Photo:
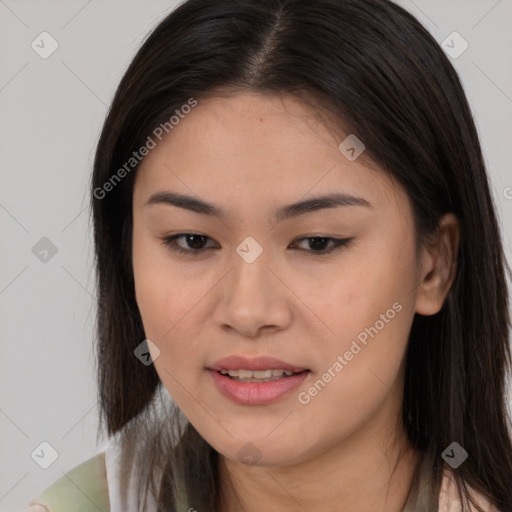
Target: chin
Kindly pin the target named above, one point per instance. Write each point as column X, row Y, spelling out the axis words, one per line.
column 262, row 452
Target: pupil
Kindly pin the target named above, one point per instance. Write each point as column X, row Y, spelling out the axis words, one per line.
column 317, row 243
column 190, row 239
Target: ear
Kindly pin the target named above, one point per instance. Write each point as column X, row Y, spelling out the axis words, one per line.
column 438, row 266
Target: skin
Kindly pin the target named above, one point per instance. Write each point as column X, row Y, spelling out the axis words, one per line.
column 250, row 154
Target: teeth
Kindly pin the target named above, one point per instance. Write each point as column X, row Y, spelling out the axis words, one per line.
column 256, row 374
column 263, row 374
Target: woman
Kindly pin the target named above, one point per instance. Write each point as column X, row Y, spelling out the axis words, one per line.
column 296, row 241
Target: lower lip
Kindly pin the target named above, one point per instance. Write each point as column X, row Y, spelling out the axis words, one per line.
column 256, row 393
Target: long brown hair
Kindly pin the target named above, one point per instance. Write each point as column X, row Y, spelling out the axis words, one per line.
column 377, row 69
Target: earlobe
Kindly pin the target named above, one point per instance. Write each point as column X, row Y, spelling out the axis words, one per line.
column 439, row 266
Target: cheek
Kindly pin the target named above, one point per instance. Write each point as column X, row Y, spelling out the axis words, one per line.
column 169, row 304
column 369, row 310
column 360, row 369
column 155, row 293
column 168, row 318
column 170, row 324
column 364, row 286
column 160, row 290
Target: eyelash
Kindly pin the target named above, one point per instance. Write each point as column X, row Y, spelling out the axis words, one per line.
column 338, row 243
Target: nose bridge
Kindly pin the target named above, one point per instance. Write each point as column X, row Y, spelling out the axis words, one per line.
column 249, row 280
column 252, row 297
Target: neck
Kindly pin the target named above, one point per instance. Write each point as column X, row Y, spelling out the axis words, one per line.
column 372, row 470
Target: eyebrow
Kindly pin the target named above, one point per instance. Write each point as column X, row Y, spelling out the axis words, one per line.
column 284, row 212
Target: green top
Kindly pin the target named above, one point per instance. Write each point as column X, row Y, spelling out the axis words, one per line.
column 85, row 489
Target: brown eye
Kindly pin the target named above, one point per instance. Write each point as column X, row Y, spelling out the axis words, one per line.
column 317, row 244
column 194, row 243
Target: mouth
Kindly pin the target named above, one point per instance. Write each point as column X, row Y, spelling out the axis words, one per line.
column 257, row 381
column 254, row 365
column 258, row 375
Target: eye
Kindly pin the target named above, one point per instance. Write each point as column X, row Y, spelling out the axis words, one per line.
column 196, row 244
column 318, row 243
column 195, row 240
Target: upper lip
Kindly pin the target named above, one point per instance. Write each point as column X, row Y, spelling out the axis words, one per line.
column 255, row 364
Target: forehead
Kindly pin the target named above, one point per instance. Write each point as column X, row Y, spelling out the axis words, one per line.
column 256, row 149
column 242, row 125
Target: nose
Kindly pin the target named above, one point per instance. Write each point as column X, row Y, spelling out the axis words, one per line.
column 254, row 300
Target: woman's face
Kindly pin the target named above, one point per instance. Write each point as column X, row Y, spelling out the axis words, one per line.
column 267, row 281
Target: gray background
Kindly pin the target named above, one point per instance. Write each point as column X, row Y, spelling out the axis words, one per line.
column 51, row 114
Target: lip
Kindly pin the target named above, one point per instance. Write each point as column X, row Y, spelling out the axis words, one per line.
column 256, row 393
column 255, row 364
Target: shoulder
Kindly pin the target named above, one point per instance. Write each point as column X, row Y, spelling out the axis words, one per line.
column 82, row 489
column 449, row 500
column 107, row 482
